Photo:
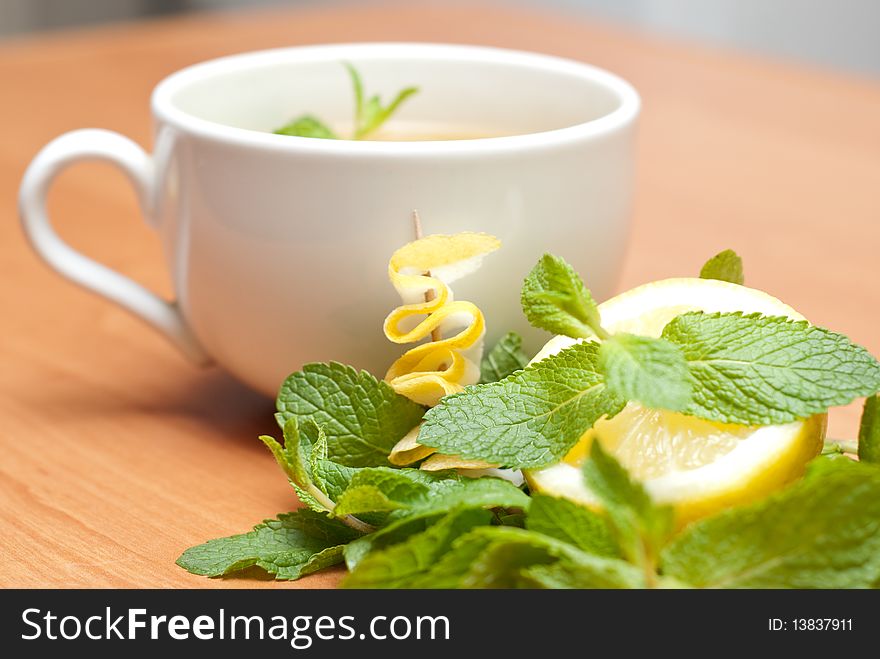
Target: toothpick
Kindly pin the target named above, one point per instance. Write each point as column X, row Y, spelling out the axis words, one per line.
column 417, row 224
column 429, row 294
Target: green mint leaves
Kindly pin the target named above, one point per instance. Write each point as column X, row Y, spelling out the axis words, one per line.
column 724, row 266
column 505, row 358
column 572, row 523
column 762, row 370
column 869, row 430
column 554, row 298
column 299, row 459
column 338, row 425
column 370, row 114
column 404, row 565
column 412, row 491
column 640, row 527
column 823, row 532
column 407, row 528
column 531, row 418
column 738, row 368
column 653, row 372
column 362, row 417
column 289, row 547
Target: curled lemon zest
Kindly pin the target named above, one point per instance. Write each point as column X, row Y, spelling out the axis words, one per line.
column 421, row 272
column 435, row 369
column 440, row 462
column 408, row 449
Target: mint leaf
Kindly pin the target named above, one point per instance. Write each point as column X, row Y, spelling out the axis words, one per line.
column 502, row 556
column 505, row 358
column 395, row 532
column 410, row 491
column 572, row 523
column 651, row 371
column 589, row 572
column 287, row 455
column 362, row 416
column 374, row 114
column 531, row 418
column 446, row 491
column 554, row 298
column 400, row 565
column 307, row 126
column 762, row 370
column 333, row 478
column 640, row 527
column 452, row 566
column 297, row 458
column 289, row 547
column 502, row 562
column 869, row 430
column 724, row 266
column 379, row 489
column 823, row 532
column 370, row 115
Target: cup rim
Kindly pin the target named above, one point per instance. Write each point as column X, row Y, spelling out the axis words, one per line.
column 165, row 110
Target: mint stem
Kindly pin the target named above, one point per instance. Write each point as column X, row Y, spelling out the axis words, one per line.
column 358, row 525
column 649, row 565
column 330, row 505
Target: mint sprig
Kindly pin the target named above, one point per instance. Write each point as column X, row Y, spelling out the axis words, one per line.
column 823, row 532
column 420, row 529
column 555, row 298
column 369, row 115
column 739, row 368
column 640, row 527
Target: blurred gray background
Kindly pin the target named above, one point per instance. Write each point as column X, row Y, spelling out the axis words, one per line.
column 839, row 34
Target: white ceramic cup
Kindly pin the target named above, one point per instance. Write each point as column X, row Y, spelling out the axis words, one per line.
column 278, row 246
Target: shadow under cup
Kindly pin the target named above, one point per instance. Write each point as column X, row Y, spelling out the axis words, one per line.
column 278, row 246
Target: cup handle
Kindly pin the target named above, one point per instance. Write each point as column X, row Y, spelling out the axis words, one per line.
column 94, row 144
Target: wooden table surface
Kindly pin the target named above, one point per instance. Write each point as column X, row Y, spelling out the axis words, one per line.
column 115, row 454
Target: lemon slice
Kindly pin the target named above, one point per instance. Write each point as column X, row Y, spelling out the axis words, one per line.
column 695, row 465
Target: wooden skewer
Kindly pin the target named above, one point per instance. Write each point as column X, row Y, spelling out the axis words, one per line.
column 429, row 294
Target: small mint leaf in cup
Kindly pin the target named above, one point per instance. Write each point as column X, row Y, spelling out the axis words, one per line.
column 307, row 126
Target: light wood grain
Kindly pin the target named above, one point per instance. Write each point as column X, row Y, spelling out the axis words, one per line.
column 115, row 455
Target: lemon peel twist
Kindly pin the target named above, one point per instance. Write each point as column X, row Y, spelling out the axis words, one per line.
column 421, row 272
